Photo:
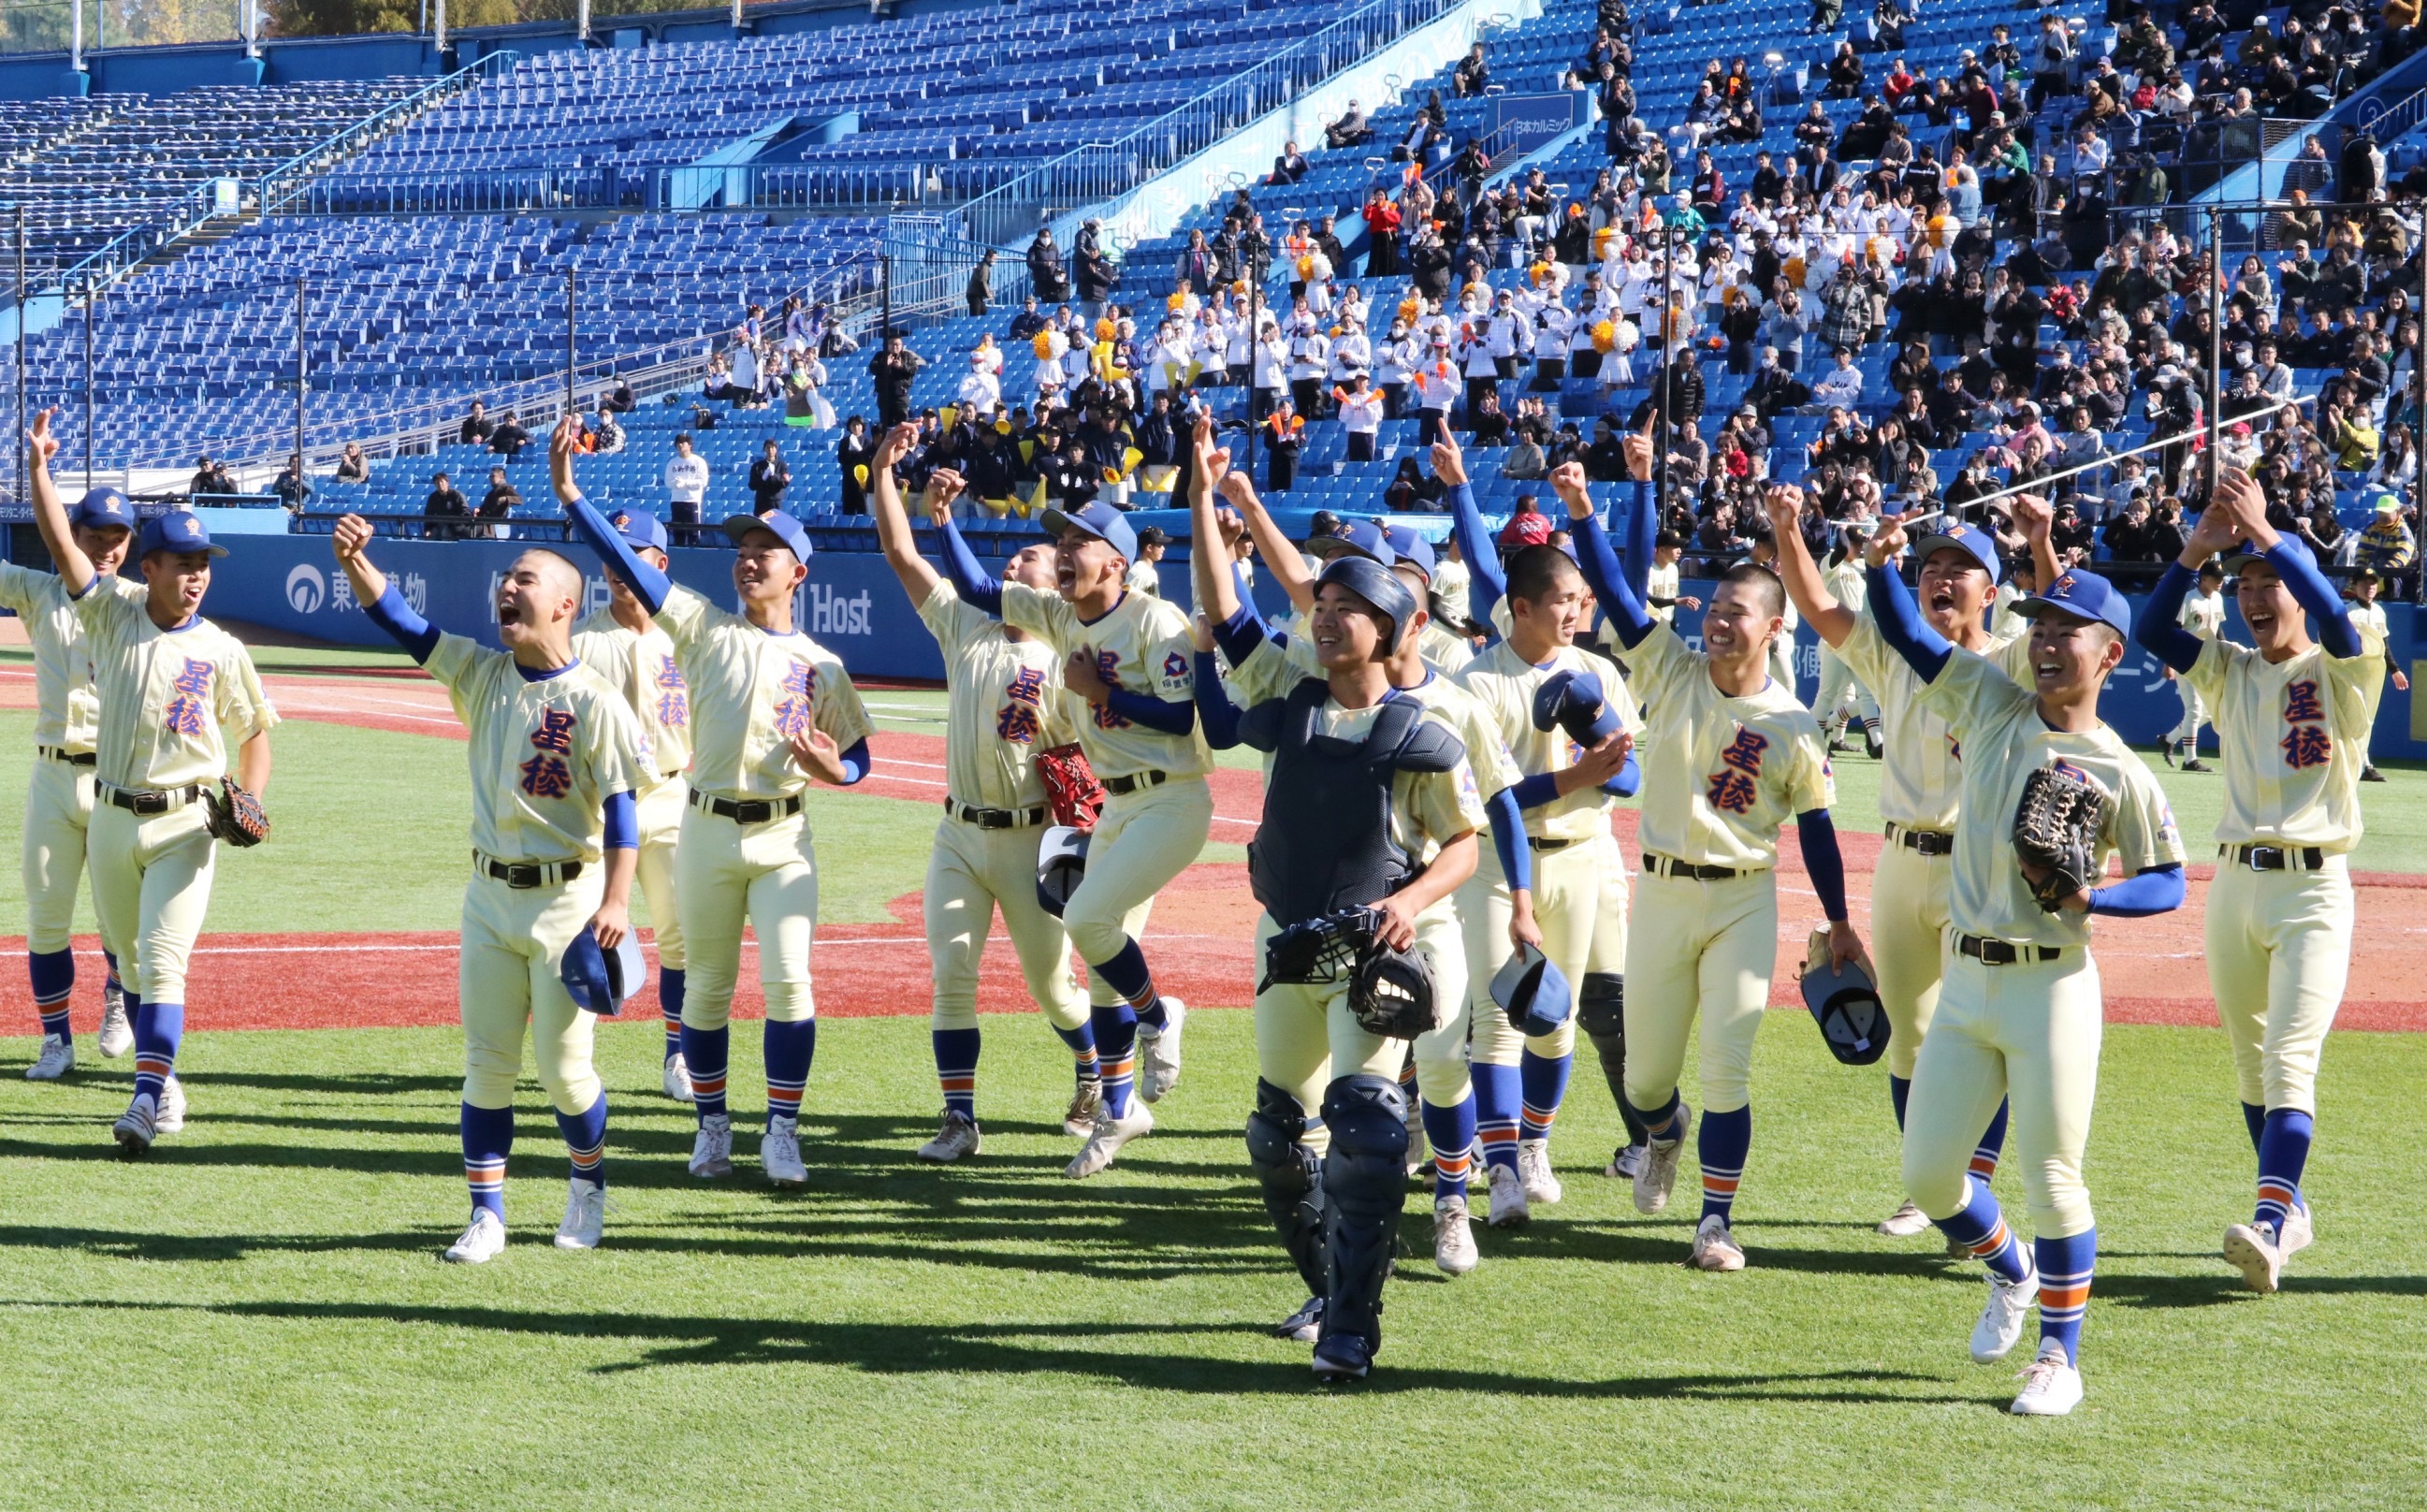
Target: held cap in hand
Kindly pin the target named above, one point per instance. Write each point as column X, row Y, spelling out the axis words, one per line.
column 1572, row 700
column 1533, row 992
column 601, row 981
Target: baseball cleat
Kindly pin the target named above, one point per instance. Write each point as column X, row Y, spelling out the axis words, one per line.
column 1305, row 1324
column 958, row 1137
column 2300, row 1231
column 139, row 1125
column 1342, row 1357
column 1106, row 1139
column 2370, row 773
column 780, row 1153
column 171, row 1117
column 1904, row 1223
column 1509, row 1205
column 2051, row 1387
column 1875, row 747
column 57, row 1060
column 1716, row 1247
column 117, row 1033
column 711, row 1148
column 585, row 1217
column 1159, row 1051
column 2167, row 751
column 1837, row 746
column 1454, row 1249
column 2190, row 764
column 1658, row 1175
column 2252, row 1249
column 484, row 1238
column 2002, row 1317
column 1624, row 1163
column 1079, row 1119
column 677, row 1079
column 1534, row 1169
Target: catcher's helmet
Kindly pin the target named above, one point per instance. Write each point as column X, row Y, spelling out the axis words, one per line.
column 1573, row 702
column 598, row 979
column 1532, row 992
column 1846, row 1005
column 1061, row 863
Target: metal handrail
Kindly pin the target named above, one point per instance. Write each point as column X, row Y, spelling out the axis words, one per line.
column 297, row 172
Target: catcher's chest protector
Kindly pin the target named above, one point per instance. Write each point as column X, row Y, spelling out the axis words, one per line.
column 1326, row 841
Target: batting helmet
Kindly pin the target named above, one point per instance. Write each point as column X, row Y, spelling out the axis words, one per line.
column 598, row 979
column 1846, row 1005
column 1532, row 992
column 1061, row 865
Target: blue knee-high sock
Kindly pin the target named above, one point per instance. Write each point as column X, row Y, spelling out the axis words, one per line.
column 2253, row 1117
column 1544, row 1082
column 1116, row 1026
column 790, row 1048
column 488, row 1138
column 1992, row 1144
column 2283, row 1152
column 1451, row 1131
column 707, row 1052
column 1721, row 1144
column 585, row 1140
column 1660, row 1126
column 956, row 1070
column 1499, row 1102
column 2065, row 1267
column 1082, row 1041
column 670, row 1001
column 111, row 961
column 1899, row 1092
column 1126, row 974
column 158, row 1027
column 54, row 978
column 1980, row 1227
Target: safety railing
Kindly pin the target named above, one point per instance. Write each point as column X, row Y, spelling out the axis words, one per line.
column 294, row 177
column 502, row 192
column 111, row 260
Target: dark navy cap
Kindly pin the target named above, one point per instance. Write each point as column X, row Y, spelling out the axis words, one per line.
column 1103, row 521
column 2082, row 595
column 1358, row 538
column 1972, row 540
column 639, row 530
column 103, row 507
column 176, row 531
column 780, row 525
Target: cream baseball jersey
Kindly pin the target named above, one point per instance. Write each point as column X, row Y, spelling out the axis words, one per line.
column 2369, row 620
column 1442, row 651
column 1006, row 705
column 1504, row 684
column 2202, row 614
column 1142, row 646
column 1922, row 786
column 1451, row 584
column 2295, row 738
column 644, row 670
column 1722, row 774
column 173, row 702
column 2005, row 740
column 1661, row 582
column 751, row 691
column 1846, row 584
column 546, row 752
column 67, row 709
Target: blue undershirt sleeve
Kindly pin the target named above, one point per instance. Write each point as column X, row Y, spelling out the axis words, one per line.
column 1239, row 635
column 408, row 629
column 1642, row 532
column 1628, row 782
column 647, row 584
column 1536, row 790
column 1153, row 712
column 2157, row 890
column 970, row 579
column 2293, row 562
column 1485, row 584
column 1607, row 577
column 623, row 823
column 1900, row 624
column 1509, row 840
column 1822, row 860
column 1214, row 711
column 2159, row 630
column 857, row 762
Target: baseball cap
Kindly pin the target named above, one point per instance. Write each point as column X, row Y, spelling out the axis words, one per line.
column 780, row 525
column 639, row 530
column 1153, row 535
column 177, row 530
column 2082, row 595
column 1971, row 539
column 1101, row 521
column 1411, row 548
column 1376, row 584
column 103, row 507
column 1360, row 538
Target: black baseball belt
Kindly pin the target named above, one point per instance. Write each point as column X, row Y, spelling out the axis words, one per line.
column 2002, row 953
column 1927, row 842
column 1137, row 782
column 154, row 800
column 1547, row 846
column 994, row 819
column 525, row 874
column 1668, row 866
column 748, row 810
column 55, row 753
column 2273, row 857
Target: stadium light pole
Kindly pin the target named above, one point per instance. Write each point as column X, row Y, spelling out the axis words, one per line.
column 570, row 289
column 24, row 468
column 91, row 292
column 1255, row 347
column 2215, row 342
column 1668, row 375
column 884, row 296
column 581, row 21
column 302, row 375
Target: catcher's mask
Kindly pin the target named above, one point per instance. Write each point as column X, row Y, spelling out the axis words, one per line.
column 1061, row 865
column 1389, row 991
column 1845, row 1003
column 598, row 979
column 1532, row 992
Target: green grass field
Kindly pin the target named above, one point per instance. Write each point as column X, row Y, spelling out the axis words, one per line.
column 256, row 1316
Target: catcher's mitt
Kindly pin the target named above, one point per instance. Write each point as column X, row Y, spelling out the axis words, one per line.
column 2055, row 826
column 1070, row 787
column 234, row 815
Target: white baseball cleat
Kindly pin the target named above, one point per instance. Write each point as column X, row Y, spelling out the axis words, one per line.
column 1508, row 1204
column 2002, row 1317
column 1079, row 1119
column 117, row 1033
column 484, row 1240
column 1159, row 1052
column 585, row 1217
column 139, row 1125
column 1305, row 1324
column 1106, row 1139
column 958, row 1137
column 2051, row 1385
column 1454, row 1248
column 172, row 1106
column 677, row 1079
column 1534, row 1169
column 1716, row 1247
column 1658, row 1175
column 2252, row 1248
column 2300, row 1232
column 780, row 1153
column 1624, row 1163
column 57, row 1060
column 711, row 1148
column 1905, row 1222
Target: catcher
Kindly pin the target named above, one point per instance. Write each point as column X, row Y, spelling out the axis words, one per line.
column 1369, row 827
column 2049, row 792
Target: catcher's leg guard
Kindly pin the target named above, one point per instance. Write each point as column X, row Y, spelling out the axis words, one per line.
column 1601, row 1013
column 1365, row 1187
column 1292, row 1177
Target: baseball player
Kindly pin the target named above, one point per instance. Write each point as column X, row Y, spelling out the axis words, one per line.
column 2202, row 615
column 58, row 798
column 770, row 710
column 1130, row 656
column 168, row 708
column 1732, row 755
column 623, row 644
column 557, row 757
column 2368, row 618
column 1844, row 694
column 1005, row 689
column 1919, row 789
column 2293, row 720
column 2019, row 1008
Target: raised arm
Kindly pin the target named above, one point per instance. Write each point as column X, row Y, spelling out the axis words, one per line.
column 2037, row 517
column 379, row 599
column 1217, row 590
column 50, row 516
column 1487, row 583
column 648, row 583
column 969, row 578
column 893, row 532
column 1603, row 574
column 1281, row 554
column 2240, row 494
column 2159, row 625
column 1891, row 604
column 1643, row 523
column 1798, row 572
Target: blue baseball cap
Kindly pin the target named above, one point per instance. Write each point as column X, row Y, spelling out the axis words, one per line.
column 779, row 525
column 103, row 507
column 1360, row 538
column 2082, row 595
column 639, row 530
column 1972, row 540
column 176, row 531
column 1103, row 521
column 1411, row 548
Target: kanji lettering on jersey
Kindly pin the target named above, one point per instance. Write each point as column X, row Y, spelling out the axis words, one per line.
column 1732, row 791
column 1744, row 752
column 2305, row 744
column 674, row 699
column 792, row 712
column 1108, row 667
column 185, row 713
column 2302, row 704
column 555, row 732
column 1732, row 787
column 545, row 776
